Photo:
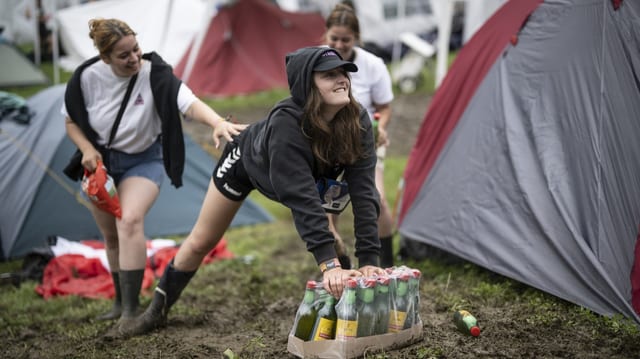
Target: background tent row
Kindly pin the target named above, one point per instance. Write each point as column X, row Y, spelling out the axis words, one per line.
column 243, row 49
column 38, row 200
column 215, row 39
column 218, row 48
column 164, row 26
column 527, row 160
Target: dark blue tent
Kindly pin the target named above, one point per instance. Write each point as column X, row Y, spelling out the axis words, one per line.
column 38, row 200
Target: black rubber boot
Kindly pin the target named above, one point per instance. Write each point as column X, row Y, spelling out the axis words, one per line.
column 165, row 295
column 130, row 284
column 116, row 309
column 386, row 252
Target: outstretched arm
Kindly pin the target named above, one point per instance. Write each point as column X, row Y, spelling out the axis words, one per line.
column 384, row 111
column 201, row 112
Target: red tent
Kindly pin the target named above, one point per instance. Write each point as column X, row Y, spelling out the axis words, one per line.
column 244, row 48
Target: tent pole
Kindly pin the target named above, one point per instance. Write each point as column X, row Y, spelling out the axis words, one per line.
column 55, row 45
column 444, row 13
column 165, row 29
column 35, row 15
column 397, row 44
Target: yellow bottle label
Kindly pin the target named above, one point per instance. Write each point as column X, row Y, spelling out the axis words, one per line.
column 346, row 329
column 396, row 320
column 325, row 329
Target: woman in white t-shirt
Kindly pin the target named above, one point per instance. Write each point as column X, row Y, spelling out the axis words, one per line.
column 146, row 143
column 371, row 87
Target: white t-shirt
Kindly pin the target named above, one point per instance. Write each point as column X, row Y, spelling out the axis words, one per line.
column 372, row 83
column 140, row 125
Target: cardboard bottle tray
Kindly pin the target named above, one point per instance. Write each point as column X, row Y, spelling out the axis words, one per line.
column 346, row 349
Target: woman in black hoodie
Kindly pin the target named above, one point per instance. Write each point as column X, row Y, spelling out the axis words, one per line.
column 314, row 135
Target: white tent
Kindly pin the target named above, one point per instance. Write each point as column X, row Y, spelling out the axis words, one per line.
column 165, row 26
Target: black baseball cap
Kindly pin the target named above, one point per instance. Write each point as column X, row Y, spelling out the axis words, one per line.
column 330, row 59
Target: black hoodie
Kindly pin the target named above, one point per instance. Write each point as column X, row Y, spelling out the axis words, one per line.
column 280, row 163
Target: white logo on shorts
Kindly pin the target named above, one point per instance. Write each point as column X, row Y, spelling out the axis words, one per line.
column 229, row 161
column 231, row 190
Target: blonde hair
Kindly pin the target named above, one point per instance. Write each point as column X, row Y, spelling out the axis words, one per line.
column 105, row 33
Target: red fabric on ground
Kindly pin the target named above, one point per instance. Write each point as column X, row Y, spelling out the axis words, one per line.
column 73, row 274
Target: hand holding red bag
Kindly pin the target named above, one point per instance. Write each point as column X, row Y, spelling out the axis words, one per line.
column 101, row 190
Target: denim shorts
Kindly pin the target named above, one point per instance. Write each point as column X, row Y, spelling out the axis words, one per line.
column 147, row 164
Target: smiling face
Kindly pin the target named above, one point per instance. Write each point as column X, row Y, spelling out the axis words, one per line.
column 125, row 58
column 342, row 39
column 333, row 86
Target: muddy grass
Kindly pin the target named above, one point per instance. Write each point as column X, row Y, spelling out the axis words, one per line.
column 245, row 307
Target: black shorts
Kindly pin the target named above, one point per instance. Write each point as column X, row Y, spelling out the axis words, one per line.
column 229, row 175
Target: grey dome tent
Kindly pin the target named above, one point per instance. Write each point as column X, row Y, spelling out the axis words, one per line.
column 38, row 200
column 527, row 162
column 17, row 69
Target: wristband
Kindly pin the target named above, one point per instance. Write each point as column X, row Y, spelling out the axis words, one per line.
column 330, row 264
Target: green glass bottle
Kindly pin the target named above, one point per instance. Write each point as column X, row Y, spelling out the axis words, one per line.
column 399, row 303
column 413, row 296
column 325, row 324
column 306, row 314
column 466, row 322
column 382, row 305
column 347, row 324
column 367, row 308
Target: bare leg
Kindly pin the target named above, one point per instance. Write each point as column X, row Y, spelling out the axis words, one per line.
column 107, row 226
column 137, row 195
column 215, row 216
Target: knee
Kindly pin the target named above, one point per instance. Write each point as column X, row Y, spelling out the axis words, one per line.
column 131, row 223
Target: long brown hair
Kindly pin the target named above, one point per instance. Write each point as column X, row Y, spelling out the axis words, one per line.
column 105, row 33
column 337, row 141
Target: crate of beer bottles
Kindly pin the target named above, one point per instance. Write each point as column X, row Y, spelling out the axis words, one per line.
column 373, row 314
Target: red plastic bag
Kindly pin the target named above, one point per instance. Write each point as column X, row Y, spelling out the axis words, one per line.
column 101, row 190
